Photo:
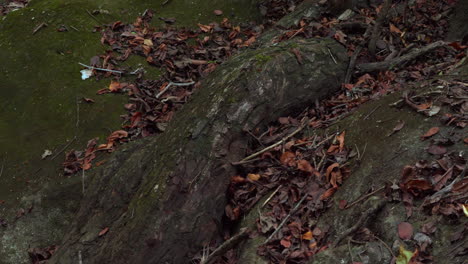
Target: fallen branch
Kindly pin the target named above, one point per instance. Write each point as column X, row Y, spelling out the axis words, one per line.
column 1, row 169
column 63, row 149
column 363, row 198
column 172, row 84
column 378, row 25
column 299, row 129
column 362, row 220
column 226, row 246
column 286, row 219
column 384, row 65
column 99, row 69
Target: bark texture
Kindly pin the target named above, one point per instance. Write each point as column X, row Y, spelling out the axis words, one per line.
column 162, row 198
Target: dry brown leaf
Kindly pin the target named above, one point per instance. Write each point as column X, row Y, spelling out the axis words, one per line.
column 394, row 29
column 341, row 140
column 328, row 193
column 288, row 158
column 432, row 131
column 253, row 177
column 405, row 230
column 330, row 169
column 304, row 165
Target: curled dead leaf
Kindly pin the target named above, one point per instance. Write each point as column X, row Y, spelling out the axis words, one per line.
column 307, row 235
column 288, row 158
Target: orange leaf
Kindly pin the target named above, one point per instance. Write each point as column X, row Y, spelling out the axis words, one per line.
column 205, row 28
column 115, row 86
column 430, row 133
column 237, row 179
column 333, row 149
column 328, row 193
column 394, row 29
column 304, row 165
column 253, row 177
column 104, row 231
column 340, row 139
column 287, row 158
column 285, row 243
column 330, row 169
column 308, row 235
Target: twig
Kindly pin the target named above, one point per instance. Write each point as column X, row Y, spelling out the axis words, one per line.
column 363, row 198
column 172, row 84
column 99, row 69
column 378, row 25
column 75, row 28
column 63, row 149
column 271, row 196
column 77, row 113
column 349, row 249
column 3, row 164
column 383, row 65
column 286, row 218
column 82, row 181
column 368, row 115
column 385, row 245
column 41, row 25
column 362, row 220
column 165, row 2
column 352, row 64
column 80, row 259
column 93, row 17
column 331, row 55
column 276, row 144
column 440, row 194
column 226, row 246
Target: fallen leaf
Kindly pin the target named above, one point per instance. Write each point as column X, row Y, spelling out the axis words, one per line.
column 237, row 179
column 88, row 100
column 218, row 12
column 328, row 193
column 340, row 139
column 204, row 28
column 405, row 256
column 342, row 204
column 287, row 158
column 436, row 150
column 304, row 165
column 405, row 230
column 421, row 185
column 465, row 209
column 253, row 177
column 398, row 127
column 330, row 169
column 285, row 243
column 104, row 231
column 394, row 29
column 432, row 131
column 115, row 86
column 307, row 235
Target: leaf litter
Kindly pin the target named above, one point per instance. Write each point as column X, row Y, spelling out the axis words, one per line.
column 304, row 172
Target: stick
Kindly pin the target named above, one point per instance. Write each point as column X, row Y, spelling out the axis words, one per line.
column 375, row 109
column 364, row 217
column 80, row 260
column 383, row 65
column 3, row 164
column 93, row 17
column 226, row 246
column 331, row 55
column 271, row 196
column 439, row 195
column 98, row 69
column 82, row 181
column 77, row 113
column 286, row 219
column 378, row 25
column 41, row 25
column 172, row 84
column 274, row 145
column 363, row 197
column 63, row 149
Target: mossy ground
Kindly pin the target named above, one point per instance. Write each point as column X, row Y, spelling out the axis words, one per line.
column 40, row 79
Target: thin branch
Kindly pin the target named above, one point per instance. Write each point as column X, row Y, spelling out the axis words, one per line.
column 63, row 149
column 172, row 84
column 384, row 65
column 226, row 246
column 3, row 164
column 293, row 211
column 299, row 129
column 271, row 196
column 99, row 69
column 363, row 198
column 378, row 25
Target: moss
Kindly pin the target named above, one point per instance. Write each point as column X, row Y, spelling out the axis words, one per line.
column 262, row 59
column 41, row 79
